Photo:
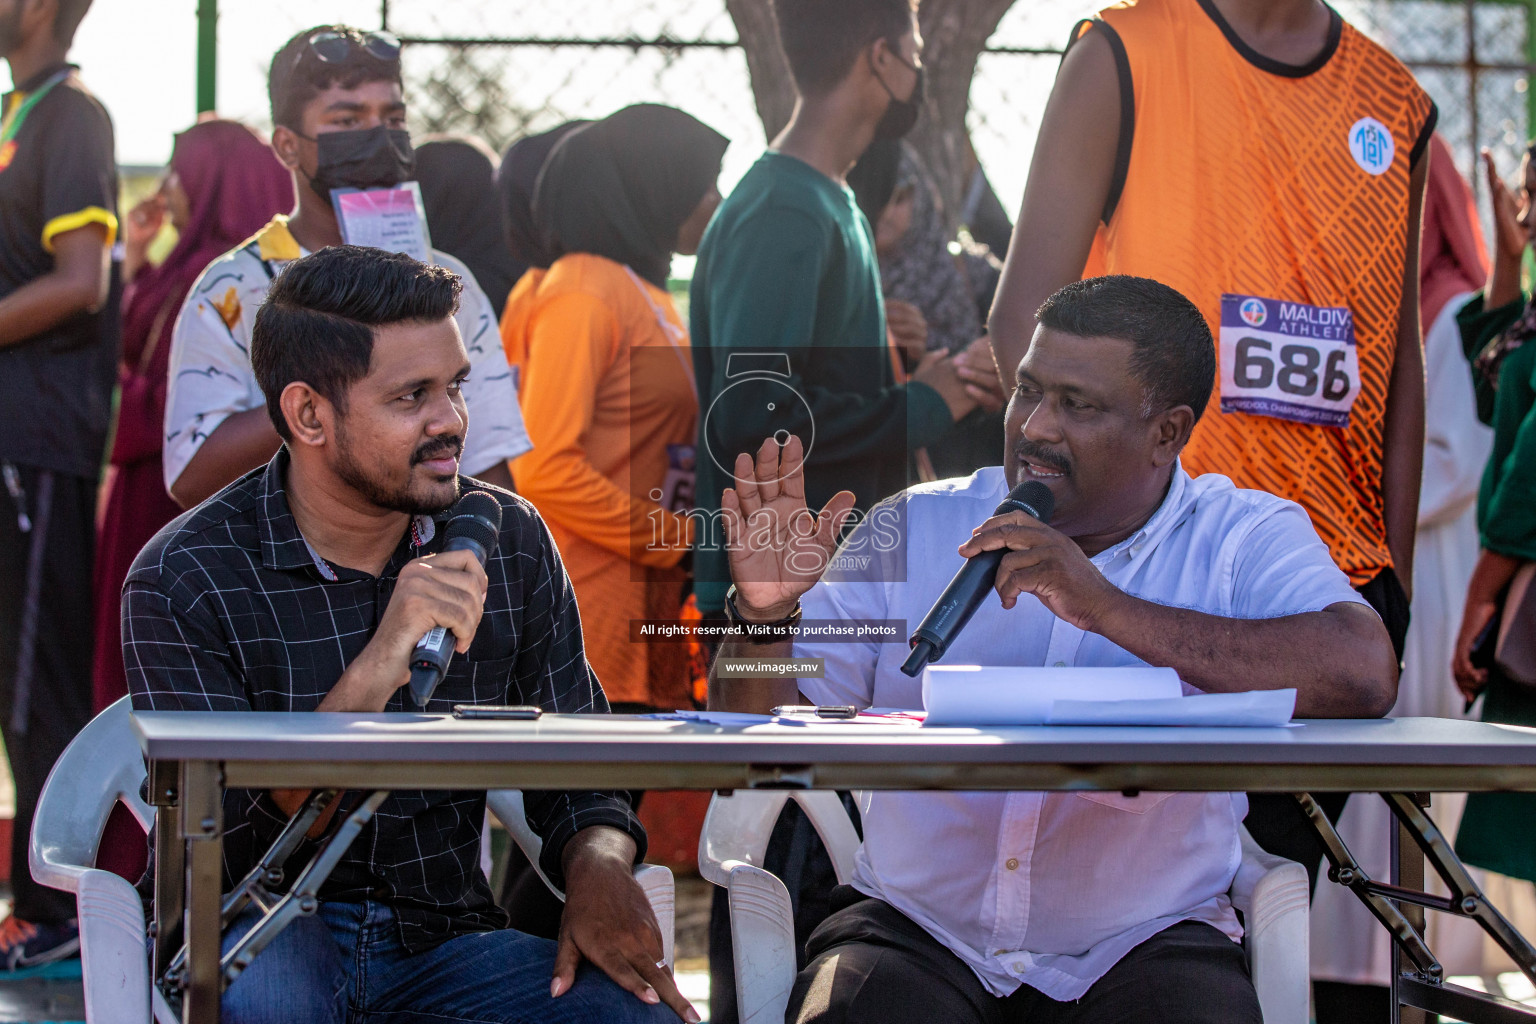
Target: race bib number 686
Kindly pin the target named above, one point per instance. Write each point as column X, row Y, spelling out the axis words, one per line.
column 1288, row 360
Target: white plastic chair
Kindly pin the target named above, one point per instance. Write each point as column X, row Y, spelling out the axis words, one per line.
column 103, row 766
column 1271, row 893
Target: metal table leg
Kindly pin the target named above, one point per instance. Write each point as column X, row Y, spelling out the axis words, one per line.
column 258, row 885
column 303, row 898
column 1418, row 981
column 182, row 982
column 1408, row 873
column 170, row 864
column 202, row 827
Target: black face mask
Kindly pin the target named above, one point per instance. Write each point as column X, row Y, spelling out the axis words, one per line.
column 901, row 114
column 377, row 157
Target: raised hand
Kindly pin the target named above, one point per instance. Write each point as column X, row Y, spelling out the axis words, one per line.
column 778, row 547
column 140, row 227
column 978, row 369
column 1509, row 236
column 909, row 327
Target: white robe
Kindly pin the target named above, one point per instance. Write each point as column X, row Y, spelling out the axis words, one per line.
column 1347, row 943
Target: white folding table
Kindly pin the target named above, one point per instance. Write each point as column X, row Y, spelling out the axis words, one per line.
column 194, row 756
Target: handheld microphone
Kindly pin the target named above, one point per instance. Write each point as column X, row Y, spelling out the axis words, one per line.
column 473, row 525
column 973, row 582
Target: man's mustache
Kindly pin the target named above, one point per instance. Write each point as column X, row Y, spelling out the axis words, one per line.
column 448, row 447
column 1043, row 455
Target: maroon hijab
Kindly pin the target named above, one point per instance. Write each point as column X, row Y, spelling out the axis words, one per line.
column 234, row 185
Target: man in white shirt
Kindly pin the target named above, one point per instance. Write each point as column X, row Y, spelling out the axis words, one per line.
column 338, row 115
column 1056, row 907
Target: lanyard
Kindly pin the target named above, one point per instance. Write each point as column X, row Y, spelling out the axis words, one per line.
column 673, row 332
column 13, row 121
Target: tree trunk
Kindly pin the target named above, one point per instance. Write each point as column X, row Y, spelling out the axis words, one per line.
column 772, row 89
column 954, row 34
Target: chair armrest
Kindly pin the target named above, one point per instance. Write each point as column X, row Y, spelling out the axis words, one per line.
column 48, row 869
column 507, row 805
column 114, row 955
column 655, row 880
column 1274, row 897
column 660, row 890
column 763, row 936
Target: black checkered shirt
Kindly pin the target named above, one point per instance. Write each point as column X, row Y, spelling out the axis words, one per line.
column 229, row 609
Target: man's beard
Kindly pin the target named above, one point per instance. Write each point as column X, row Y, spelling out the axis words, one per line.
column 403, row 498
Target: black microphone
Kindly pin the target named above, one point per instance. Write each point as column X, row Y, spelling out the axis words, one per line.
column 973, row 582
column 473, row 525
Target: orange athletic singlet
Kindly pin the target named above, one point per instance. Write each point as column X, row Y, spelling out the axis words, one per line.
column 1276, row 198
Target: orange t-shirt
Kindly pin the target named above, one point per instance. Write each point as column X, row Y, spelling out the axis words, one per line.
column 606, row 389
column 1276, row 198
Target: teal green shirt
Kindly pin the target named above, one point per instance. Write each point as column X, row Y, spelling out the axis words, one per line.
column 1506, row 500
column 1498, row 830
column 788, row 335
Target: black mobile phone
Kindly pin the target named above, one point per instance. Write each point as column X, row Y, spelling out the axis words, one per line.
column 514, row 712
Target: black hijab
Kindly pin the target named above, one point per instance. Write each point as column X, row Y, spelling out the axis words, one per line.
column 873, row 178
column 623, row 186
column 519, row 172
column 458, row 190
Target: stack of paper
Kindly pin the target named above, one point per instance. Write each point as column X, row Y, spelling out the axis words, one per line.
column 997, row 695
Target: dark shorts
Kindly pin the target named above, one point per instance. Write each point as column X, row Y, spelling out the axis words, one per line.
column 871, row 964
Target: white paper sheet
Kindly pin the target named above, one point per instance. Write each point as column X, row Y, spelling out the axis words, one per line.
column 1254, row 708
column 392, row 219
column 1016, row 695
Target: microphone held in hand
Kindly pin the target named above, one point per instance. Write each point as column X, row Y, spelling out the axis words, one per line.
column 973, row 582
column 473, row 525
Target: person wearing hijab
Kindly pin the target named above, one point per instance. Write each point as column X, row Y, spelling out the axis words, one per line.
column 223, row 184
column 515, row 179
column 457, row 175
column 607, row 384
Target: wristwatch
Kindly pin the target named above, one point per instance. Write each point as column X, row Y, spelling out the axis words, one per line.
column 761, row 633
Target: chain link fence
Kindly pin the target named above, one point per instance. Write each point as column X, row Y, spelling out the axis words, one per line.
column 1473, row 58
column 502, row 69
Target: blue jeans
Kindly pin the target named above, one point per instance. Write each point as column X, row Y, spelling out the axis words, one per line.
column 346, row 964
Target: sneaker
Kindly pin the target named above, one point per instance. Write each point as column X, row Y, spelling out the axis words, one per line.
column 24, row 944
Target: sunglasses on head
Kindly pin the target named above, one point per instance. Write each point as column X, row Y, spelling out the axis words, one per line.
column 332, row 47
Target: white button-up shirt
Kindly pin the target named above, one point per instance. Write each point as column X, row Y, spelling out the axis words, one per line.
column 1052, row 889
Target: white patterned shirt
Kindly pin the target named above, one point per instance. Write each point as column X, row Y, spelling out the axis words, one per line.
column 211, row 377
column 1052, row 889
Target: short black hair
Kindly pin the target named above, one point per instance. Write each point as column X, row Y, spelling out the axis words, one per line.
column 1174, row 357
column 317, row 322
column 298, row 75
column 822, row 38
column 66, row 20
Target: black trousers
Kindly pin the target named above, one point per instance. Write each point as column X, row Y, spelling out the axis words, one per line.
column 47, row 541
column 870, row 964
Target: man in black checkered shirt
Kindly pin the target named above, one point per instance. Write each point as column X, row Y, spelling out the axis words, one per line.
column 304, row 586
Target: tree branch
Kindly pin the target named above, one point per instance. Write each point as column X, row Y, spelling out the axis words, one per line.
column 954, row 34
